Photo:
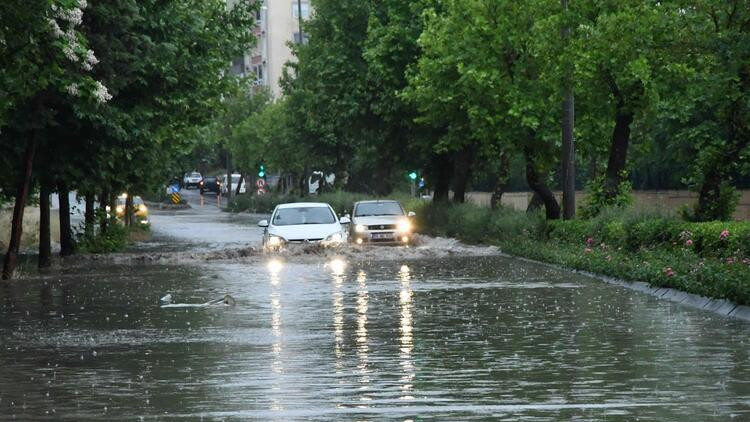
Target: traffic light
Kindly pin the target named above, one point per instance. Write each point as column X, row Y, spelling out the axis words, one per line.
column 413, row 175
column 262, row 171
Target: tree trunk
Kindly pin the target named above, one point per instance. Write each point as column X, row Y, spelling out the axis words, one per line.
column 536, row 203
column 568, row 143
column 103, row 203
column 45, row 238
column 442, row 170
column 128, row 215
column 537, row 184
column 228, row 186
column 462, row 173
column 501, row 182
column 22, row 196
column 66, row 237
column 89, row 214
column 617, row 154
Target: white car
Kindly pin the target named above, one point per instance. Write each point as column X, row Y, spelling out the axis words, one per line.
column 381, row 221
column 306, row 223
column 191, row 179
column 235, row 180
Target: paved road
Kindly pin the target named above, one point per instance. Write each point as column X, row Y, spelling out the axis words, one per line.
column 383, row 335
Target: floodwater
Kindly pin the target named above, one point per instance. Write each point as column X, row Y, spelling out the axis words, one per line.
column 324, row 338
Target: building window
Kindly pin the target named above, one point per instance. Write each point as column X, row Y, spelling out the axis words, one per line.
column 305, row 39
column 305, row 10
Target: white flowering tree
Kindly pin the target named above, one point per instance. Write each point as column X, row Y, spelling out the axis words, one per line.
column 43, row 55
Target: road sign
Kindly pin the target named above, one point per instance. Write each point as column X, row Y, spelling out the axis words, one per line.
column 174, row 188
column 176, row 198
column 261, row 191
column 260, row 183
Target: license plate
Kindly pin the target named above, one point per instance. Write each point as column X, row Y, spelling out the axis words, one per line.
column 382, row 236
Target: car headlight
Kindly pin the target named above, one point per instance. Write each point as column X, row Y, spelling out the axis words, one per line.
column 120, row 209
column 274, row 241
column 142, row 208
column 404, row 226
column 360, row 228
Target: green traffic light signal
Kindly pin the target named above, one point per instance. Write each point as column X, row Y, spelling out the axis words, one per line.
column 413, row 175
column 262, row 171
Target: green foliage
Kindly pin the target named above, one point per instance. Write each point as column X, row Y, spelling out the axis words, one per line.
column 597, row 199
column 711, row 259
column 724, row 200
column 114, row 239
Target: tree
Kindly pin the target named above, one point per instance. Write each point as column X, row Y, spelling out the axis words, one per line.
column 328, row 83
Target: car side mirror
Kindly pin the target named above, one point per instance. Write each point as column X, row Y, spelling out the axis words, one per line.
column 411, row 214
column 345, row 220
column 263, row 223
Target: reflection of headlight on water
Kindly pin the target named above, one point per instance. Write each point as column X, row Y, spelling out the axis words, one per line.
column 404, row 270
column 404, row 226
column 337, row 266
column 275, row 266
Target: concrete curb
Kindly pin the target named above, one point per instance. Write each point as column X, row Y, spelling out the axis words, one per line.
column 163, row 206
column 722, row 307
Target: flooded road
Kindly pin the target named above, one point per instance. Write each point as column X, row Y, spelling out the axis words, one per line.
column 395, row 336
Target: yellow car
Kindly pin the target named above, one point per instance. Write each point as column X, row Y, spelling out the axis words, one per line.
column 141, row 211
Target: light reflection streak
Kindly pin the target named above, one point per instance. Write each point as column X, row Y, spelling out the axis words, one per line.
column 362, row 346
column 338, row 322
column 406, row 339
column 277, row 365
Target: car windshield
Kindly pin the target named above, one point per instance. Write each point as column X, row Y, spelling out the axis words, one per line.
column 195, row 175
column 209, row 179
column 303, row 215
column 378, row 208
column 235, row 179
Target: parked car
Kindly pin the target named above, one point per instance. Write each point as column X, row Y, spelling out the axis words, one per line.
column 380, row 221
column 141, row 210
column 210, row 184
column 191, row 179
column 304, row 222
column 235, row 180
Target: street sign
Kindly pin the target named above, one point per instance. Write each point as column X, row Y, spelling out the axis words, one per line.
column 176, row 198
column 175, row 188
column 260, row 183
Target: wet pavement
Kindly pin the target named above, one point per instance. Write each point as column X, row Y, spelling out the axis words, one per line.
column 383, row 334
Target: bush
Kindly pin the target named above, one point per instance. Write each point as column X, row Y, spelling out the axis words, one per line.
column 711, row 259
column 113, row 240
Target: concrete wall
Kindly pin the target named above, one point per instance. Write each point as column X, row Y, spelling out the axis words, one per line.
column 30, row 234
column 668, row 200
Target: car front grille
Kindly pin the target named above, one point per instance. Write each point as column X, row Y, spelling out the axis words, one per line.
column 382, row 227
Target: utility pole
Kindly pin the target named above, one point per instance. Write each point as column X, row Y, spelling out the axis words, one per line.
column 568, row 122
column 299, row 17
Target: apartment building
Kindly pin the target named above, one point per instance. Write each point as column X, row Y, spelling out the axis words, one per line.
column 277, row 26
